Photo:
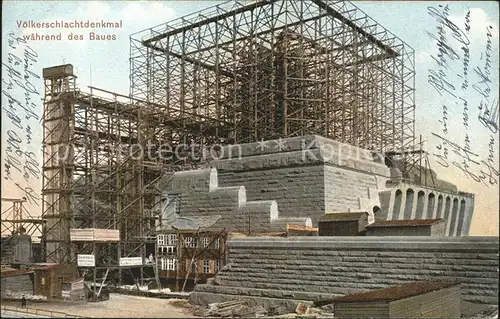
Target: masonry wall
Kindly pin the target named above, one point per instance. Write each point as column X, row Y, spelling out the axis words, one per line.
column 307, row 176
column 283, row 270
column 344, row 188
column 200, row 195
column 22, row 249
column 17, row 285
column 297, row 190
column 438, row 229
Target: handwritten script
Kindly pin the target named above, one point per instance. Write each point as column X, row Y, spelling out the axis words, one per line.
column 21, row 168
column 464, row 86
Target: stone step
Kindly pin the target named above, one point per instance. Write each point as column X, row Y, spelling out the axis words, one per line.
column 259, row 267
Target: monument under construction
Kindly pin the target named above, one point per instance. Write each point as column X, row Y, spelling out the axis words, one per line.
column 237, row 75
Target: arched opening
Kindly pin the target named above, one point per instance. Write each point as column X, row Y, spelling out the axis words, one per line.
column 420, row 205
column 461, row 218
column 454, row 217
column 408, row 204
column 447, row 211
column 398, row 198
column 431, row 201
column 440, row 207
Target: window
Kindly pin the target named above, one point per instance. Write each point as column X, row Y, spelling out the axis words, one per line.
column 167, row 240
column 206, row 266
column 217, row 243
column 166, row 250
column 189, row 242
column 218, row 265
column 160, row 239
column 168, row 263
column 171, row 240
column 171, row 264
column 205, row 241
column 169, row 249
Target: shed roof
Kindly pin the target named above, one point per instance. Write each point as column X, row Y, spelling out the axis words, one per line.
column 299, row 227
column 189, row 223
column 344, row 217
column 47, row 267
column 405, row 223
column 9, row 272
column 397, row 292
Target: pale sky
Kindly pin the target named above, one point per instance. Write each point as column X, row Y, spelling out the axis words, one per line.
column 105, row 64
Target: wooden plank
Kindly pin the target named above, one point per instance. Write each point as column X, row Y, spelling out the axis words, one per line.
column 443, row 303
column 94, row 234
column 362, row 310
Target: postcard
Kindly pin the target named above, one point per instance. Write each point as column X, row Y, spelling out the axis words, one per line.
column 161, row 145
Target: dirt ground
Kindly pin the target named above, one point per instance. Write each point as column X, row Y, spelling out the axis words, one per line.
column 122, row 306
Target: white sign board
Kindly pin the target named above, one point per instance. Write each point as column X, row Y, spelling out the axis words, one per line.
column 85, row 260
column 130, row 261
column 77, row 285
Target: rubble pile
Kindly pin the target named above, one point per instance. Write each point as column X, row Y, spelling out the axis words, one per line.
column 248, row 309
column 233, row 309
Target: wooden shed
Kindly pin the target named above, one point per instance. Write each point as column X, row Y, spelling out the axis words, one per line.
column 298, row 230
column 415, row 227
column 343, row 224
column 425, row 299
column 50, row 279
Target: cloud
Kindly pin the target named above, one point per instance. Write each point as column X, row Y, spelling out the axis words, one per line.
column 97, row 10
column 479, row 23
column 423, row 57
column 146, row 14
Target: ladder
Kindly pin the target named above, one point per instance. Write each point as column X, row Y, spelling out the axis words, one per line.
column 157, row 276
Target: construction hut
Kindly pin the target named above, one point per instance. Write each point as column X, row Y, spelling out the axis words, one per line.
column 50, row 279
column 416, row 227
column 343, row 224
column 425, row 299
